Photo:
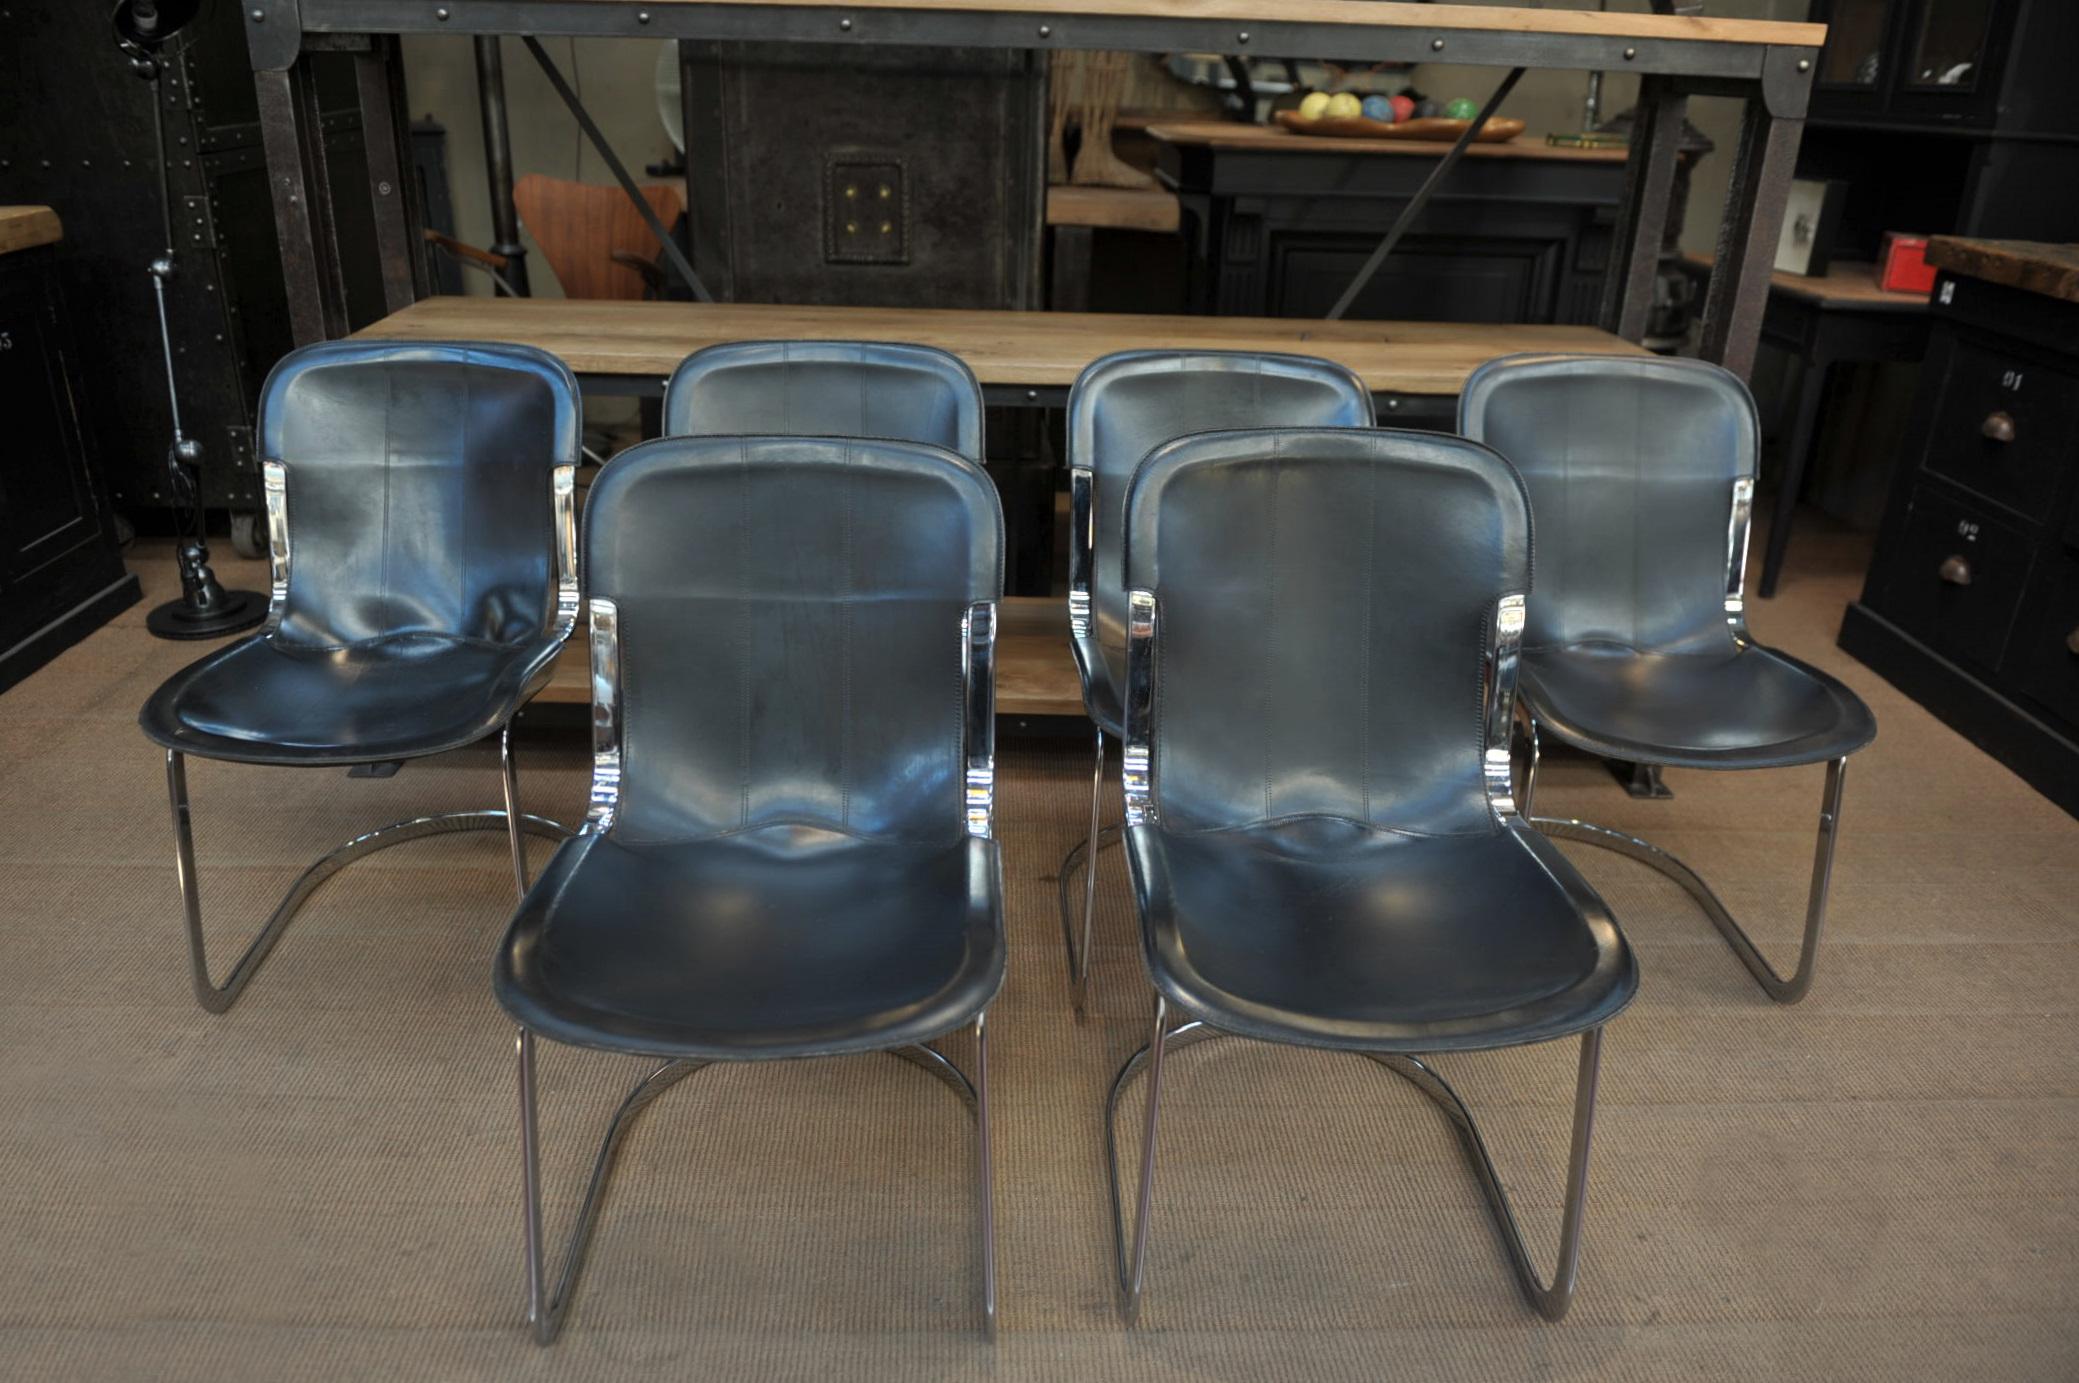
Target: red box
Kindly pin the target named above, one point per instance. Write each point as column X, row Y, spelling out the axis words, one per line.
column 1904, row 268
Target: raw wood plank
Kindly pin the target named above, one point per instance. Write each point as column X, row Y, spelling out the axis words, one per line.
column 1399, row 14
column 2032, row 265
column 1221, row 134
column 1035, row 673
column 1025, row 349
column 1114, row 208
column 25, row 227
column 1842, row 285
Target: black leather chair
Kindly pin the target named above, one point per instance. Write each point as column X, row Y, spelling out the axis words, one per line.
column 1322, row 631
column 1641, row 475
column 1122, row 407
column 827, row 389
column 788, row 850
column 421, row 529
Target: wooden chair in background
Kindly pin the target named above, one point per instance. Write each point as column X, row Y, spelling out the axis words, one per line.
column 595, row 239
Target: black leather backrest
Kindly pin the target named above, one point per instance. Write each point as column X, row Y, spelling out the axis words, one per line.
column 827, row 389
column 1630, row 461
column 1123, row 406
column 789, row 614
column 1324, row 599
column 419, row 487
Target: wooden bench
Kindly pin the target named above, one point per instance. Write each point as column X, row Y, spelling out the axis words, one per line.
column 1020, row 357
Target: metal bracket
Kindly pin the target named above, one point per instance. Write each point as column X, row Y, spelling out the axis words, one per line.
column 273, row 34
column 1786, row 81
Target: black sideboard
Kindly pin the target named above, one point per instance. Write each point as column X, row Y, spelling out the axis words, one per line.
column 1972, row 602
column 61, row 573
column 1278, row 224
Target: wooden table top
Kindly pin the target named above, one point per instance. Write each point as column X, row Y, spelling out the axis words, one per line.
column 2034, row 266
column 1843, row 285
column 1491, row 19
column 1114, row 208
column 1227, row 134
column 1030, row 349
column 25, row 227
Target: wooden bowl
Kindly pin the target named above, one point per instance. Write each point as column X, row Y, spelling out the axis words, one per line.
column 1498, row 130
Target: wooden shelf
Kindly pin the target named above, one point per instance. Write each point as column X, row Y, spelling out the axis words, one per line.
column 1026, row 349
column 1035, row 672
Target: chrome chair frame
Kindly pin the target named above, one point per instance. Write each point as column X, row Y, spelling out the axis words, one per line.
column 218, row 998
column 1083, row 856
column 548, row 1308
column 1784, row 989
column 1082, row 539
column 1549, row 1298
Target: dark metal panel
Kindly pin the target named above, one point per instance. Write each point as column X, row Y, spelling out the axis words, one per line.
column 896, row 178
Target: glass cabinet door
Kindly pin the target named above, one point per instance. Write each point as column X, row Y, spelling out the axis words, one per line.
column 1947, row 52
column 1855, row 44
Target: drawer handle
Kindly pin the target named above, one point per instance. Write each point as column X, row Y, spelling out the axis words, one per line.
column 1956, row 571
column 1998, row 426
column 2072, row 642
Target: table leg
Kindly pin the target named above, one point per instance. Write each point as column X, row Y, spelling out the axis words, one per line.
column 1068, row 289
column 1797, row 454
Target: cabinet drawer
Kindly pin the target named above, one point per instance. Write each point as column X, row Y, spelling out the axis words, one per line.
column 2049, row 669
column 2005, row 427
column 1958, row 578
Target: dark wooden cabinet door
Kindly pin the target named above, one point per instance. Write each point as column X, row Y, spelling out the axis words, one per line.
column 47, row 506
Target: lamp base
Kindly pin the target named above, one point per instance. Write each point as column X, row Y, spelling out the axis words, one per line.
column 204, row 609
column 232, row 612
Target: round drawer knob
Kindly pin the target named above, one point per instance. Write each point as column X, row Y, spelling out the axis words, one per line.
column 1998, row 427
column 1956, row 571
column 2072, row 642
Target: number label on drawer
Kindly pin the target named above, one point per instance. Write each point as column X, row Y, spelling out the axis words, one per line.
column 2011, row 381
column 1967, row 530
column 6, row 340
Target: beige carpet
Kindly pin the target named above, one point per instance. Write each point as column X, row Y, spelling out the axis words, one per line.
column 1878, row 1184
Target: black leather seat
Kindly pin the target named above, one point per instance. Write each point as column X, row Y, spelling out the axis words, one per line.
column 1121, row 408
column 788, row 852
column 827, row 389
column 1641, row 477
column 1322, row 645
column 423, row 544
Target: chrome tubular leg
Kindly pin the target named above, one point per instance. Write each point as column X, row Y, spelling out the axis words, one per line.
column 217, row 998
column 985, row 1174
column 1086, row 854
column 511, row 782
column 1530, row 764
column 1550, row 1299
column 545, row 1311
column 975, row 1095
column 1132, row 1259
column 1783, row 989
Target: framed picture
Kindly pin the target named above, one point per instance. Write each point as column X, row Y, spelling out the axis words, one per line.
column 1811, row 219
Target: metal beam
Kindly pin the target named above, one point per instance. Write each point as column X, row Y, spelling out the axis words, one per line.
column 1039, row 28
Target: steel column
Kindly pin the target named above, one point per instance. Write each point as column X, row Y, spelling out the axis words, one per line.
column 391, row 179
column 1739, row 292
column 293, row 138
column 498, row 161
column 1642, row 218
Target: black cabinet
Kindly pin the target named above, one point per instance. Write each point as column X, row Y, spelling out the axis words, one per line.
column 61, row 575
column 1972, row 602
column 1278, row 227
column 1967, row 64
